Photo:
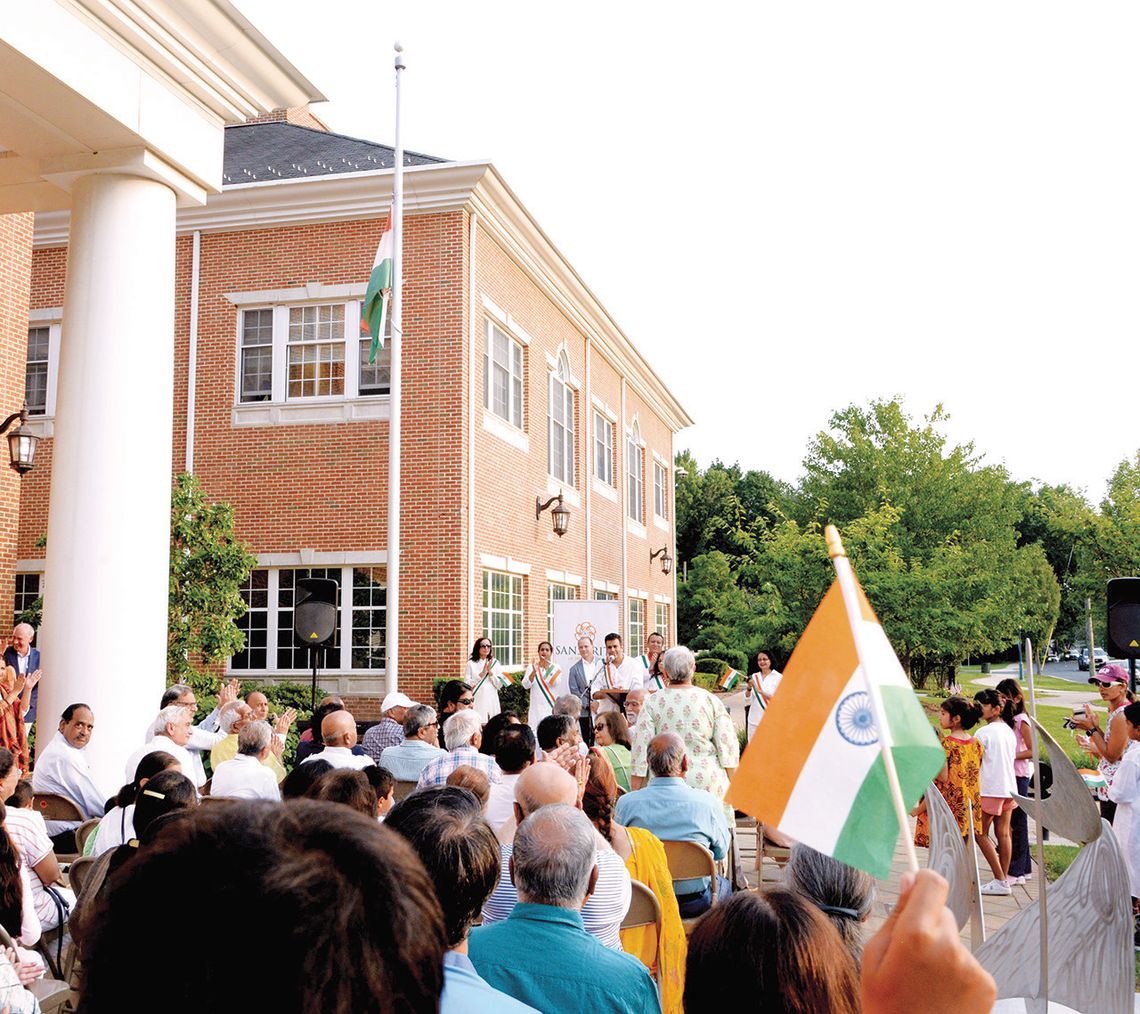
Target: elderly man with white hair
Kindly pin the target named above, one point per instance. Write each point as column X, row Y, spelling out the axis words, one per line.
column 247, row 775
column 463, row 734
column 205, row 735
column 541, row 954
column 234, row 717
column 25, row 660
column 170, row 732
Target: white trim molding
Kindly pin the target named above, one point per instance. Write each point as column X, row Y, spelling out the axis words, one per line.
column 564, row 577
column 314, row 558
column 505, row 431
column 504, row 563
column 310, row 291
column 606, row 586
column 376, row 408
column 663, row 599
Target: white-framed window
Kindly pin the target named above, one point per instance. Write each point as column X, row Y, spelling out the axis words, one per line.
column 357, row 644
column 503, row 615
column 36, row 371
column 556, row 592
column 660, row 491
column 603, row 449
column 634, row 475
column 600, row 595
column 307, row 351
column 27, row 591
column 503, row 376
column 560, row 425
column 661, row 619
column 636, row 622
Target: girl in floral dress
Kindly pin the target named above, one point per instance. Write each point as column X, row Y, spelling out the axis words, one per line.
column 961, row 779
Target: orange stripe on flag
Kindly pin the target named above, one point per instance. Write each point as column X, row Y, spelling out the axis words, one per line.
column 815, row 675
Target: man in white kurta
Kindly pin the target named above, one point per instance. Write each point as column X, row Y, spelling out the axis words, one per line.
column 338, row 733
column 170, row 733
column 62, row 768
column 617, row 672
column 205, row 735
column 246, row 776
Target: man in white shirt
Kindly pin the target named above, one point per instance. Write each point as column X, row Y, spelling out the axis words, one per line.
column 633, row 705
column 514, row 753
column 204, row 736
column 246, row 776
column 62, row 770
column 617, row 672
column 338, row 733
column 170, row 732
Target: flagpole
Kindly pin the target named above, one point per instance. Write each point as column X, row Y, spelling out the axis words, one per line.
column 392, row 597
column 846, row 580
column 1043, row 921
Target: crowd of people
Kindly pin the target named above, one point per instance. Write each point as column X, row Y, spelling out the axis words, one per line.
column 457, row 858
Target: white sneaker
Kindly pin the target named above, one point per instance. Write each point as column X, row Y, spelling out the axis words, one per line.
column 996, row 887
column 1016, row 881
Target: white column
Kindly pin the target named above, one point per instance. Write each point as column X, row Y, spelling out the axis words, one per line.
column 105, row 604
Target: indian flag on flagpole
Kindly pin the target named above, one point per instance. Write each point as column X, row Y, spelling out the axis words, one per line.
column 729, row 679
column 830, row 788
column 374, row 309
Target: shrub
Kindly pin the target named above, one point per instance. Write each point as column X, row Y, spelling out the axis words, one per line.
column 709, row 664
column 707, row 680
column 731, row 656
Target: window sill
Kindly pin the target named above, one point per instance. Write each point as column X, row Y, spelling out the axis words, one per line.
column 604, row 489
column 661, row 523
column 635, row 528
column 41, row 426
column 506, row 432
column 569, row 493
column 315, row 412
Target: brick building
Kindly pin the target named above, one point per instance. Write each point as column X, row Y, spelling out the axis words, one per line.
column 517, row 384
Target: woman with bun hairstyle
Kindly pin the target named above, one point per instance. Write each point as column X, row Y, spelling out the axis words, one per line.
column 960, row 780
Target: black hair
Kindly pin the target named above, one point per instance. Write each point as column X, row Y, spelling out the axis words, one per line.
column 381, row 779
column 296, row 783
column 991, row 697
column 514, row 747
column 445, row 825
column 148, row 766
column 547, row 643
column 6, row 762
column 756, row 654
column 1009, row 688
column 552, row 728
column 164, row 793
column 613, row 637
column 21, row 794
column 71, row 709
column 494, row 728
column 347, row 917
column 11, row 889
column 475, row 648
column 450, row 693
column 969, row 712
column 1132, row 713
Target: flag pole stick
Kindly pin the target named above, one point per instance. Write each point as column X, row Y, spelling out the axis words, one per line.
column 846, row 578
column 1043, row 921
column 392, row 580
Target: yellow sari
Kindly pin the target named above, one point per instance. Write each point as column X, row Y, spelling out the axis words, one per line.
column 647, row 864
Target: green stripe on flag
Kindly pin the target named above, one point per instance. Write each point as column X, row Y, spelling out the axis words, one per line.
column 868, row 838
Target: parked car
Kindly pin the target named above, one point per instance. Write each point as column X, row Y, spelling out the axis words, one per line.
column 1100, row 657
column 1069, row 654
column 1052, row 656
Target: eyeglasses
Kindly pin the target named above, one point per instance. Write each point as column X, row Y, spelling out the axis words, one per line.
column 430, row 724
column 467, row 700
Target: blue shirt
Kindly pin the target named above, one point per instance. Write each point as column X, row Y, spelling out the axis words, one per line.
column 407, row 760
column 542, row 956
column 675, row 811
column 465, row 993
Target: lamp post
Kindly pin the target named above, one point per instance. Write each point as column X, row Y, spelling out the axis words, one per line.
column 21, row 443
column 559, row 516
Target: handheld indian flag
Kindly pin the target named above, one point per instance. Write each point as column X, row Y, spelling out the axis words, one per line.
column 730, row 678
column 844, row 777
column 374, row 309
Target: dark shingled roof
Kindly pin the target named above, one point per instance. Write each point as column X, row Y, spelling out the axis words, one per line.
column 256, row 152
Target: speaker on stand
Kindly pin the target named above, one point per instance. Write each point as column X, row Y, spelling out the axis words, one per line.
column 314, row 620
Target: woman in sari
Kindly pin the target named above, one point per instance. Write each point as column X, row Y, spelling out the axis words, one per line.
column 13, row 735
column 611, row 737
column 644, row 857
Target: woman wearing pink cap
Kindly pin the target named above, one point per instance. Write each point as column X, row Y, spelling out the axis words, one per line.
column 1107, row 744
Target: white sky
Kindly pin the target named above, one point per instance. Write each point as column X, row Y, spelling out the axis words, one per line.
column 790, row 207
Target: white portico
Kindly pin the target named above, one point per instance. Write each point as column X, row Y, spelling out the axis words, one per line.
column 115, row 109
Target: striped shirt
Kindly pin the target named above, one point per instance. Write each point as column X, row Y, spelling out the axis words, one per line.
column 435, row 772
column 601, row 915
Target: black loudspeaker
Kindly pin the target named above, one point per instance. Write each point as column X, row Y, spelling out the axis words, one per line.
column 1124, row 617
column 314, row 610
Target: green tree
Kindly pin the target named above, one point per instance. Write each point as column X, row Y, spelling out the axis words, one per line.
column 208, row 566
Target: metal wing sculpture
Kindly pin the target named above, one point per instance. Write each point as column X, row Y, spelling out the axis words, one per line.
column 949, row 857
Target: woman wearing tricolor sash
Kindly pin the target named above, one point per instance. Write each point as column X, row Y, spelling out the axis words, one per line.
column 762, row 685
column 652, row 678
column 542, row 680
column 484, row 676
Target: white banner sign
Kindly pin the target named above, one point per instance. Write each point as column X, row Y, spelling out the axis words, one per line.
column 592, row 618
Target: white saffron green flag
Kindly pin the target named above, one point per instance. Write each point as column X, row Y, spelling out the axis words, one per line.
column 730, row 678
column 374, row 309
column 814, row 768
